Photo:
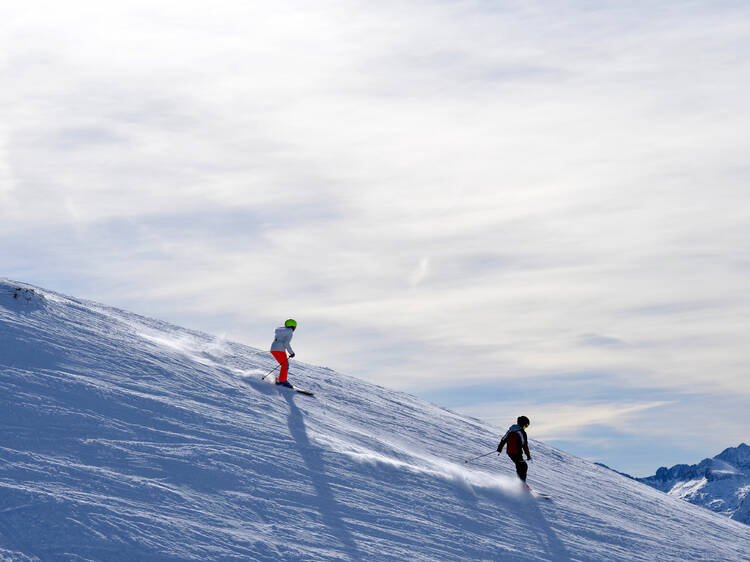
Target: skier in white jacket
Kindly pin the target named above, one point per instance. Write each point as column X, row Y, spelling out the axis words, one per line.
column 279, row 347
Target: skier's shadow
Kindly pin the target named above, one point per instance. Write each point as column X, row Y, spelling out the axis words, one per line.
column 532, row 516
column 329, row 509
column 544, row 532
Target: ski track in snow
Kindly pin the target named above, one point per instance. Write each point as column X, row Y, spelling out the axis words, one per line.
column 126, row 438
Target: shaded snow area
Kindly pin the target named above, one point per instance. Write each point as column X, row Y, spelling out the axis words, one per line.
column 721, row 483
column 125, row 438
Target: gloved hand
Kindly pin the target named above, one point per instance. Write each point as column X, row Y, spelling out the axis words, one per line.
column 528, row 457
column 499, row 447
column 291, row 355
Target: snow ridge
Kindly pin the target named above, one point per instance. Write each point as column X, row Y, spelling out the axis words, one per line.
column 721, row 483
column 127, row 438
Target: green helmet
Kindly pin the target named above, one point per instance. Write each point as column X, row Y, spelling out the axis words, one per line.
column 291, row 323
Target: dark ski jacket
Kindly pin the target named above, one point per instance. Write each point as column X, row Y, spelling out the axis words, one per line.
column 516, row 440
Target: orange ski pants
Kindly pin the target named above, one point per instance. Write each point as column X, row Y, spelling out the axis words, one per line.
column 284, row 362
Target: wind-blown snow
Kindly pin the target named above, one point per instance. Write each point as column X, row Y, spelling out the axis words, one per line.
column 126, row 438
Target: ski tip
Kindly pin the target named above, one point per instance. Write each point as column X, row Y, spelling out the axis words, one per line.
column 535, row 494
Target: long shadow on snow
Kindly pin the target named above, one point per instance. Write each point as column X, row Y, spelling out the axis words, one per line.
column 533, row 523
column 545, row 534
column 526, row 509
column 329, row 509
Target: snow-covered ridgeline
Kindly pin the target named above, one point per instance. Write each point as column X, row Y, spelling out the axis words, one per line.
column 721, row 483
column 127, row 438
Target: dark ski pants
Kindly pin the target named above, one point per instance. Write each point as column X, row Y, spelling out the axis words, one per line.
column 521, row 467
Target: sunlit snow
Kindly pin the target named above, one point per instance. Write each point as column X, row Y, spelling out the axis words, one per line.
column 126, row 438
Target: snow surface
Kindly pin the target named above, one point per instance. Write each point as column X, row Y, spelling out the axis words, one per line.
column 126, row 438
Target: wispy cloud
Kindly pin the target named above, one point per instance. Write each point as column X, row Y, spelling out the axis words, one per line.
column 437, row 191
column 420, row 273
column 555, row 422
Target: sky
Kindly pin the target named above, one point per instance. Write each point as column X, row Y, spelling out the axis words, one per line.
column 506, row 208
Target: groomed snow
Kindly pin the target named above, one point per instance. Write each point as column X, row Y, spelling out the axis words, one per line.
column 126, row 438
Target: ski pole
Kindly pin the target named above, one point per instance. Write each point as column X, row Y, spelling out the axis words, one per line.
column 276, row 367
column 480, row 456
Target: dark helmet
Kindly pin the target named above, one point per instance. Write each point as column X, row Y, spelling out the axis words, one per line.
column 523, row 421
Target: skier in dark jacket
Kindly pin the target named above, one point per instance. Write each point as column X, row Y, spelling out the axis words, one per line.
column 518, row 443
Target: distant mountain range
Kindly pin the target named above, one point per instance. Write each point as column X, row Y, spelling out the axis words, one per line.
column 721, row 483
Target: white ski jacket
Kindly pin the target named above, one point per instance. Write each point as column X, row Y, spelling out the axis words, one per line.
column 282, row 340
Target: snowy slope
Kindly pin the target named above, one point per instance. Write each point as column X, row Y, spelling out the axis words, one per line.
column 721, row 483
column 125, row 438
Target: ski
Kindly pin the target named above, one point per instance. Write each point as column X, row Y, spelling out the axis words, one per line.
column 297, row 389
column 302, row 391
column 536, row 494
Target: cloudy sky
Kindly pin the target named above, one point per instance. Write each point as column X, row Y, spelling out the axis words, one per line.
column 504, row 207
